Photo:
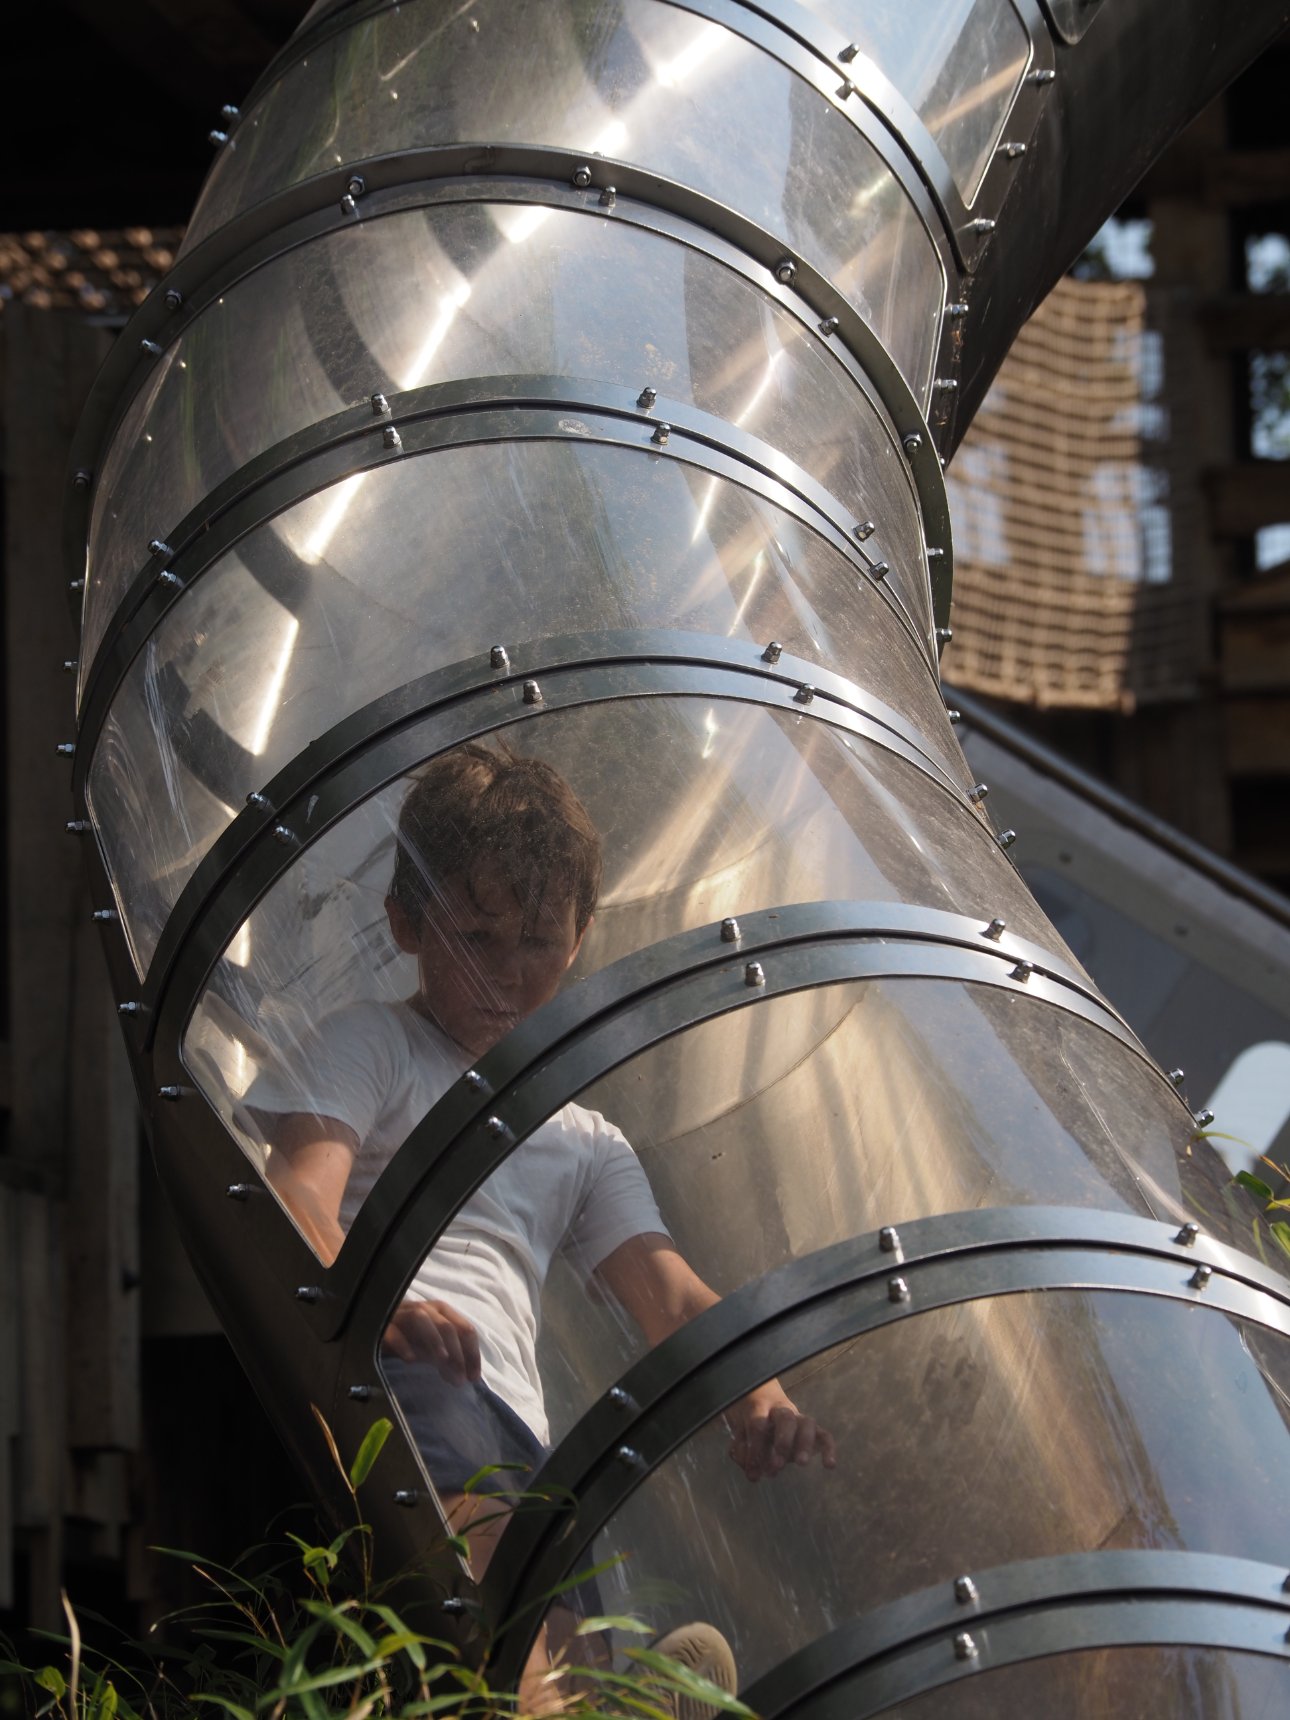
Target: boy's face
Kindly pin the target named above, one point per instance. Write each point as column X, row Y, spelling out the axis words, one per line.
column 483, row 964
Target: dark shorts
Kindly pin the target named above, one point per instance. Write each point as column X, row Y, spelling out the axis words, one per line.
column 461, row 1430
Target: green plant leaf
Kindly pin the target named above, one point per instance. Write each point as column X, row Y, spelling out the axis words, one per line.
column 1254, row 1184
column 679, row 1677
column 233, row 1708
column 590, row 1626
column 368, row 1452
column 1281, row 1230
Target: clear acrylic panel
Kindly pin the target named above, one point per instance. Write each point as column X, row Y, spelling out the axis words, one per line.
column 965, row 1438
column 1150, row 1683
column 731, row 808
column 428, row 561
column 959, row 63
column 429, row 295
column 631, row 80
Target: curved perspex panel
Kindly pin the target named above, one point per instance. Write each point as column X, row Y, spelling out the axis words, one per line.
column 592, row 1018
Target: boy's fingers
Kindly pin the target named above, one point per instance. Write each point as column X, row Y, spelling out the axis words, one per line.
column 828, row 1447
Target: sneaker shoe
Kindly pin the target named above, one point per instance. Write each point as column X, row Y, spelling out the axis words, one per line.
column 699, row 1648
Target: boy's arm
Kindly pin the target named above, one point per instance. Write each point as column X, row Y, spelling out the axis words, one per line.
column 309, row 1167
column 662, row 1292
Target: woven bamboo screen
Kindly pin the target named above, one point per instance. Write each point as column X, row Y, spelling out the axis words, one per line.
column 1075, row 505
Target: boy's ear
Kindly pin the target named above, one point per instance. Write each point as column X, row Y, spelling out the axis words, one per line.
column 402, row 926
column 577, row 942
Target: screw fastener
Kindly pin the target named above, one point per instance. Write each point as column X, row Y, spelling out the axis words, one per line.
column 911, row 443
column 995, row 930
column 786, row 271
column 773, row 652
column 379, row 405
column 1177, row 1076
column 409, row 1496
column 348, row 204
column 1204, row 1118
column 238, row 1191
column 497, row 658
column 957, row 308
column 65, row 749
column 360, row 1394
column 495, row 1126
column 978, row 792
column 629, row 1455
column 166, row 577
column 1012, row 150
column 532, row 693
column 889, row 1239
column 964, row 1647
column 982, row 224
column 1041, row 75
column 1022, row 971
column 357, row 185
column 76, row 826
column 620, row 1398
column 754, row 974
column 103, row 915
column 953, row 715
column 170, row 1091
column 582, row 176
column 1007, row 838
column 848, row 53
column 158, row 546
column 285, row 835
column 1188, row 1234
column 829, row 325
column 172, row 298
column 945, row 385
column 646, row 398
column 1201, row 1277
column 864, row 531
column 308, row 1293
column 151, row 347
column 82, row 479
column 474, row 1079
column 730, row 933
column 129, row 1008
column 260, row 802
column 944, row 635
column 897, row 1290
column 390, row 437
column 964, row 1590
column 879, row 571
column 804, row 695
column 609, row 196
column 661, row 434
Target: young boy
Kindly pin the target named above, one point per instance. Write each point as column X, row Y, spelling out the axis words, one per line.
column 495, row 882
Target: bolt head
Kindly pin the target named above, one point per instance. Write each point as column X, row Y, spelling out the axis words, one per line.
column 889, row 1239
column 238, row 1191
column 217, row 138
column 911, row 443
column 786, row 271
column 609, row 196
column 582, row 176
column 390, row 437
column 1188, row 1234
column 829, row 326
column 360, row 1394
column 1204, row 1118
column 495, row 1126
column 964, row 1647
column 864, row 531
column 172, row 298
column 82, row 478
column 357, row 185
column 1177, row 1076
column 897, row 1290
column 169, row 1091
column 773, row 652
column 964, row 1590
column 531, row 693
column 661, row 434
column 498, row 658
column 754, row 974
column 646, row 399
column 379, row 404
column 1007, row 838
column 730, row 933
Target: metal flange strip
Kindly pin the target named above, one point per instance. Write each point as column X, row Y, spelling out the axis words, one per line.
column 518, row 174
column 452, row 415
column 1036, row 1607
column 824, row 1300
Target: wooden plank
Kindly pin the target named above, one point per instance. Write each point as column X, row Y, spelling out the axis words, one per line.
column 1245, row 498
column 1257, row 733
column 1247, row 322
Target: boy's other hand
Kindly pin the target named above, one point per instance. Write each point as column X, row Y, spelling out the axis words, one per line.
column 770, row 1432
column 435, row 1332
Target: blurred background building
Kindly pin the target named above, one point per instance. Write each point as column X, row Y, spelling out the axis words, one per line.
column 1122, row 642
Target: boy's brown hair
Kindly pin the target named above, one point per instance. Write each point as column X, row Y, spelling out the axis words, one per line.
column 480, row 803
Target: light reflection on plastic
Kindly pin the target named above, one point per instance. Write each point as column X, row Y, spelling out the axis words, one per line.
column 239, row 951
column 712, row 729
column 519, row 225
column 449, row 305
column 316, row 546
column 681, row 67
column 273, row 691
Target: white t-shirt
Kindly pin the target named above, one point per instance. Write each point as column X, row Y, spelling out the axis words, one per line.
column 574, row 1185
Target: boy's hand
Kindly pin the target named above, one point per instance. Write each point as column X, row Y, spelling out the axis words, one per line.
column 770, row 1432
column 435, row 1332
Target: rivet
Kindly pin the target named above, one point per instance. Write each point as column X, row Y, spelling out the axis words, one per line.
column 532, row 693
column 173, row 298
column 151, row 347
column 1041, row 75
column 786, row 271
column 582, row 176
column 1177, row 1076
column 308, row 1293
column 911, row 443
column 978, row 792
column 982, row 224
column 159, row 546
column 103, row 915
column 1022, row 971
column 360, row 1394
column 730, row 933
column 348, row 205
column 82, row 478
column 953, row 715
column 773, row 652
column 945, row 385
column 238, row 1191
column 218, row 138
column 260, row 801
column 661, row 434
column 495, row 1126
column 754, row 974
column 879, row 571
column 379, row 405
column 609, row 196
column 170, row 1091
column 1201, row 1277
column 964, row 1647
column 804, row 695
column 1007, row 838
column 284, row 834
column 1012, row 150
column 944, row 635
column 995, row 930
column 167, row 577
column 76, row 826
column 964, row 1590
column 889, row 1239
column 846, row 88
column 629, row 1455
column 620, row 1398
column 407, row 1496
column 497, row 658
column 390, row 437
column 957, row 308
column 474, row 1079
column 65, row 748
column 646, row 398
column 357, row 185
column 1204, row 1118
column 1188, row 1234
column 897, row 1290
column 864, row 531
column 829, row 325
column 848, row 53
